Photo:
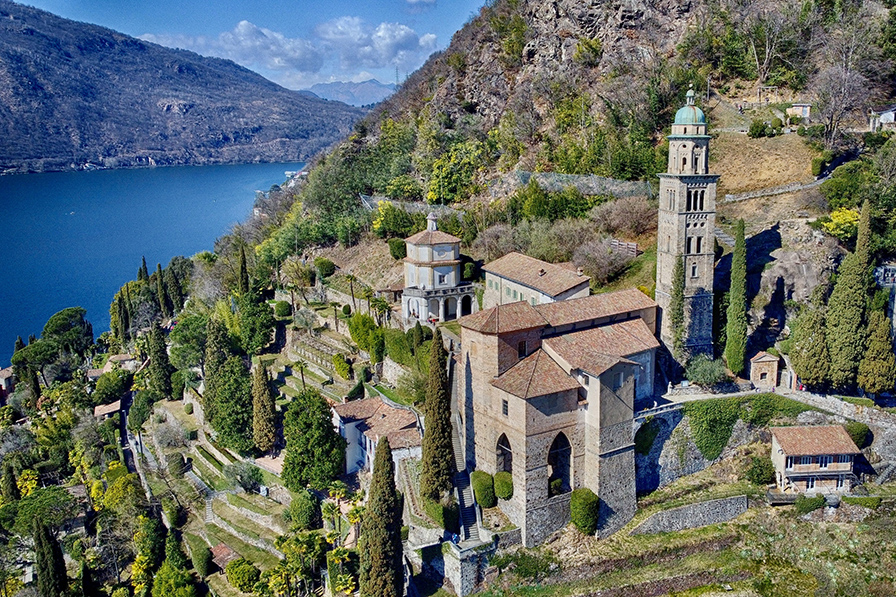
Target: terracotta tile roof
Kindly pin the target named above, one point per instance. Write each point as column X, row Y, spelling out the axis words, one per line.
column 94, row 374
column 504, row 318
column 431, row 237
column 544, row 277
column 378, row 419
column 597, row 349
column 595, row 306
column 813, row 441
column 107, row 409
column 223, row 555
column 6, row 373
column 536, row 375
column 764, row 356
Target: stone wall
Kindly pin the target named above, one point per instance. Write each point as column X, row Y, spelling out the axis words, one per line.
column 462, row 570
column 693, row 516
column 391, row 371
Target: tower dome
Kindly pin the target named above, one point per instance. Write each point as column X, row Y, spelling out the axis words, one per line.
column 690, row 114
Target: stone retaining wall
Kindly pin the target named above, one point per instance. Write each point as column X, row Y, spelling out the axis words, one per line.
column 693, row 516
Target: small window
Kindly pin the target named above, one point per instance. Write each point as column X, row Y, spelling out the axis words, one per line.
column 789, row 464
column 515, row 295
column 620, row 379
column 763, row 376
column 694, row 271
column 804, row 460
column 442, row 278
column 521, row 349
column 533, row 301
column 504, row 407
column 490, row 285
column 844, row 458
column 810, row 483
column 507, row 291
column 699, row 244
column 840, row 482
column 824, row 461
column 585, row 380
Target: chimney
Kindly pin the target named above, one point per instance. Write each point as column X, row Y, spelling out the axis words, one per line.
column 580, row 271
column 541, row 272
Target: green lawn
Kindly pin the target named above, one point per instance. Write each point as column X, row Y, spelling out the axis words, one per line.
column 255, row 503
column 261, row 558
column 210, row 458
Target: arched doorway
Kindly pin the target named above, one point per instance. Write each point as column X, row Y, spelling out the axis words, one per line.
column 450, row 308
column 466, row 305
column 559, row 466
column 504, row 456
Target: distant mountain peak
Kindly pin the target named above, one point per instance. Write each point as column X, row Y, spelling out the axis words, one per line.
column 362, row 93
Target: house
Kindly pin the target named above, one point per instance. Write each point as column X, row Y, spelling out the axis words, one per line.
column 222, row 555
column 882, row 118
column 800, row 110
column 764, row 371
column 813, row 460
column 517, row 277
column 123, row 361
column 7, row 383
column 364, row 422
column 546, row 392
column 104, row 411
column 433, row 289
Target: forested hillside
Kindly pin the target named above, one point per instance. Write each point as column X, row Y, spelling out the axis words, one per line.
column 73, row 93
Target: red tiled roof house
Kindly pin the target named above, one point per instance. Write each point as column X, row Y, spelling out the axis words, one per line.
column 813, row 460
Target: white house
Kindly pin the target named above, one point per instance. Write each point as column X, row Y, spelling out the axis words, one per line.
column 517, row 277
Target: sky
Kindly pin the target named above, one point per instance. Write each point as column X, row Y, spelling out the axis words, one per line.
column 295, row 44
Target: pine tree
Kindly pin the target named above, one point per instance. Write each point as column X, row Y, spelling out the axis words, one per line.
column 243, row 273
column 846, row 309
column 676, row 310
column 160, row 368
column 217, row 351
column 49, row 567
column 161, row 295
column 264, row 416
column 143, row 272
column 438, row 451
column 810, row 352
column 233, row 406
column 173, row 289
column 736, row 330
column 8, row 487
column 380, row 544
column 877, row 370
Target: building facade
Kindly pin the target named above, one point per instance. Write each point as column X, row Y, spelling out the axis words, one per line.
column 813, row 460
column 433, row 288
column 517, row 277
column 686, row 229
column 546, row 393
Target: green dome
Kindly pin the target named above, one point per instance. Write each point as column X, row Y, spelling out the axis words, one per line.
column 690, row 115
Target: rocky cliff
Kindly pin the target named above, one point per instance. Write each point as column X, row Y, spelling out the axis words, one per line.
column 73, row 93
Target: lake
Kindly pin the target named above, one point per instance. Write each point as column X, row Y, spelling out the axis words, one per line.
column 73, row 238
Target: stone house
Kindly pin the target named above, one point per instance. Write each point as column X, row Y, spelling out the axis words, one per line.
column 546, row 392
column 7, row 383
column 883, row 118
column 800, row 110
column 433, row 289
column 813, row 460
column 764, row 371
column 517, row 277
column 364, row 422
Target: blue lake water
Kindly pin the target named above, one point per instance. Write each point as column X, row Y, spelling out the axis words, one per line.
column 73, row 238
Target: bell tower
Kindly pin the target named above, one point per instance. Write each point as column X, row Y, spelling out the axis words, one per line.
column 687, row 219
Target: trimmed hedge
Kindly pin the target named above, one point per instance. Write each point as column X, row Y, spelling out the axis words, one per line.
column 865, row 502
column 484, row 489
column 503, row 485
column 805, row 504
column 397, row 248
column 326, row 267
column 584, row 509
column 282, row 309
column 446, row 516
column 341, row 365
column 188, row 408
column 859, row 433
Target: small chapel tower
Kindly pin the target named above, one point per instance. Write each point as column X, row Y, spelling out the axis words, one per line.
column 687, row 219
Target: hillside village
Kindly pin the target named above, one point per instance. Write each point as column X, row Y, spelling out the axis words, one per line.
column 514, row 336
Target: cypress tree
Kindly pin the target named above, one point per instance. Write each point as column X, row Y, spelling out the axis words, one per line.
column 32, row 338
column 217, row 351
column 736, row 329
column 160, row 368
column 810, row 351
column 877, row 370
column 233, row 406
column 380, row 549
column 173, row 290
column 8, row 486
column 243, row 273
column 143, row 272
column 161, row 295
column 438, row 451
column 676, row 310
column 264, row 416
column 88, row 587
column 49, row 567
column 846, row 309
column 34, row 385
column 20, row 344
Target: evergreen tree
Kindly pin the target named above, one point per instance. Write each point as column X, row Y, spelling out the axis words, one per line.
column 243, row 273
column 736, row 330
column 315, row 452
column 264, row 416
column 161, row 295
column 173, row 553
column 143, row 272
column 160, row 368
column 88, row 587
column 438, row 451
column 9, row 489
column 20, row 344
column 380, row 541
column 877, row 370
column 676, row 310
column 256, row 323
column 809, row 355
column 174, row 291
column 846, row 309
column 49, row 567
column 233, row 406
column 20, row 372
column 217, row 351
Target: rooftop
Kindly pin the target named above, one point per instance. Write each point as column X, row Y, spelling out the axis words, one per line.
column 378, row 419
column 432, row 237
column 597, row 349
column 764, row 357
column 814, row 441
column 549, row 278
column 536, row 375
column 107, row 409
column 223, row 555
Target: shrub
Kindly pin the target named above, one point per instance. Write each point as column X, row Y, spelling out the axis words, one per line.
column 599, row 260
column 588, row 52
column 711, row 424
column 176, row 465
column 503, row 485
column 632, row 217
column 645, row 437
column 704, row 371
column 188, row 408
column 304, row 511
column 555, row 487
column 405, row 532
column 346, row 310
column 584, row 509
column 484, row 489
column 758, row 129
column 469, row 270
column 202, row 561
column 248, row 476
column 447, row 516
column 242, row 574
column 397, row 248
column 859, row 433
column 342, row 367
column 282, row 309
column 865, row 502
column 325, row 267
column 817, row 165
column 777, row 124
column 805, row 504
column 761, row 471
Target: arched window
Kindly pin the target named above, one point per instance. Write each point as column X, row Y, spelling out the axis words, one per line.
column 504, row 456
column 559, row 466
column 684, row 164
column 690, row 200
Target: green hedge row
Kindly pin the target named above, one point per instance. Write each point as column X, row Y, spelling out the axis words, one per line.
column 503, row 485
column 584, row 509
column 483, row 489
column 865, row 502
column 447, row 516
column 805, row 504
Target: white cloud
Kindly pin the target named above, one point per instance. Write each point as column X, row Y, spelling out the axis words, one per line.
column 388, row 44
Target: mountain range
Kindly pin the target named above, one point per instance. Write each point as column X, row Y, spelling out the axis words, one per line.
column 73, row 94
column 364, row 93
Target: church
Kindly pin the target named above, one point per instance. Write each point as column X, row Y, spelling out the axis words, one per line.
column 547, row 388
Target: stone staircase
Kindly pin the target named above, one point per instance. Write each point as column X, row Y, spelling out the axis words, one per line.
column 724, row 237
column 466, row 502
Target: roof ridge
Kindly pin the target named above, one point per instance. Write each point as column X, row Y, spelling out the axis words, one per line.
column 532, row 374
